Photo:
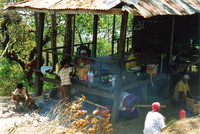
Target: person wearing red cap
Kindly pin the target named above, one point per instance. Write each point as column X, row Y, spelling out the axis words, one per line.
column 154, row 121
column 182, row 90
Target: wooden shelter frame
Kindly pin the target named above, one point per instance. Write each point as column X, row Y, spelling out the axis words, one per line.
column 69, row 44
column 67, row 52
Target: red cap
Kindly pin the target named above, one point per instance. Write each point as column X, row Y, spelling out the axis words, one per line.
column 155, row 106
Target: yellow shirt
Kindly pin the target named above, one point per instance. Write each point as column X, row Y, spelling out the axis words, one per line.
column 131, row 63
column 181, row 87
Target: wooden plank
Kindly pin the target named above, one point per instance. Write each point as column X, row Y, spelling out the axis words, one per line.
column 92, row 91
column 131, row 85
column 144, row 106
column 54, row 81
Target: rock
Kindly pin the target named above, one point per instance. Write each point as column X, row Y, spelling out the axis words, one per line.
column 35, row 123
column 7, row 115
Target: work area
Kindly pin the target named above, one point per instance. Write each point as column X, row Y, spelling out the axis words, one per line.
column 122, row 61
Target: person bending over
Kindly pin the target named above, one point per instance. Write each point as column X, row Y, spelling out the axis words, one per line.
column 21, row 95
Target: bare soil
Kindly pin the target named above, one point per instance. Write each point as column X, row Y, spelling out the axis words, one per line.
column 190, row 125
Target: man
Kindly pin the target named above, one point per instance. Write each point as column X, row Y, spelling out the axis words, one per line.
column 21, row 95
column 154, row 121
column 132, row 65
column 182, row 90
column 64, row 74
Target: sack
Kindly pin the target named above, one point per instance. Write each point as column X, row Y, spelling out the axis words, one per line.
column 152, row 69
column 130, row 101
column 128, row 114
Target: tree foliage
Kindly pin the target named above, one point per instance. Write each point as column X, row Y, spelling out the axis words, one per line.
column 17, row 37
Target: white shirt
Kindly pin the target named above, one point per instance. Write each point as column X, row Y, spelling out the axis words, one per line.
column 64, row 74
column 23, row 94
column 154, row 122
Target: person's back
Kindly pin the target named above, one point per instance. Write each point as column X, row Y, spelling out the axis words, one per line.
column 154, row 121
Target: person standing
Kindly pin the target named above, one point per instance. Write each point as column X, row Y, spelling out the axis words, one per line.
column 182, row 90
column 21, row 95
column 64, row 75
column 154, row 121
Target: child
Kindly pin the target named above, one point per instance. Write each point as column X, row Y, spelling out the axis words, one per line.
column 64, row 74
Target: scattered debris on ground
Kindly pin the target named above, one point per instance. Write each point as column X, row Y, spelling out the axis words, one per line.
column 184, row 126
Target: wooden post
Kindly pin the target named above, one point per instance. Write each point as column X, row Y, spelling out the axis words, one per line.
column 171, row 47
column 117, row 91
column 68, row 37
column 53, row 40
column 144, row 93
column 39, row 39
column 94, row 39
column 113, row 34
column 172, row 39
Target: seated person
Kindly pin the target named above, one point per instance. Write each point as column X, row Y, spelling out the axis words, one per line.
column 83, row 60
column 182, row 90
column 127, row 108
column 132, row 64
column 21, row 94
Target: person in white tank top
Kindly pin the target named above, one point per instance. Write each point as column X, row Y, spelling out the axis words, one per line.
column 21, row 95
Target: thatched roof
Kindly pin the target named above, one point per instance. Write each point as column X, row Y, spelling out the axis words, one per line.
column 145, row 8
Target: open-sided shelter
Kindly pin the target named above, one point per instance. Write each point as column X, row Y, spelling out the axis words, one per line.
column 144, row 8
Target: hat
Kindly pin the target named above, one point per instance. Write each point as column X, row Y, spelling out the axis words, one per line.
column 186, row 76
column 83, row 51
column 155, row 106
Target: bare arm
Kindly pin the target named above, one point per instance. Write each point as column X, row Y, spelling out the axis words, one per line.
column 27, row 94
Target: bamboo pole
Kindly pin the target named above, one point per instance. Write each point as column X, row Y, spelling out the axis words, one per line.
column 95, row 104
column 162, row 106
column 140, row 106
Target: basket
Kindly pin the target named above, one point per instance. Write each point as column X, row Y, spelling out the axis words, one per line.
column 189, row 103
column 193, row 105
column 196, row 108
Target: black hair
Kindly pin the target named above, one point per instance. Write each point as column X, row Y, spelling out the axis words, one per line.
column 63, row 62
column 20, row 85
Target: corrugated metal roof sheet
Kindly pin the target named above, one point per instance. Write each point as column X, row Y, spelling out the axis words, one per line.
column 67, row 4
column 145, row 8
column 148, row 8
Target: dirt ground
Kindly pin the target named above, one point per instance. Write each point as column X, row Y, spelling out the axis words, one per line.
column 135, row 126
column 190, row 125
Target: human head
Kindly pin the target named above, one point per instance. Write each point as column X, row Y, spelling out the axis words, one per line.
column 186, row 78
column 83, row 52
column 155, row 106
column 64, row 63
column 137, row 51
column 20, row 86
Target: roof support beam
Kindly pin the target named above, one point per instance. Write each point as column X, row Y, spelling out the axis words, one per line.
column 117, row 91
column 39, row 40
column 94, row 40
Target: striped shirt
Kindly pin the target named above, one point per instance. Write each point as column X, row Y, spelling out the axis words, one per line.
column 64, row 74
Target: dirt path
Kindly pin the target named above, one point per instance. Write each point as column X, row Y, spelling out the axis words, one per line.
column 15, row 122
